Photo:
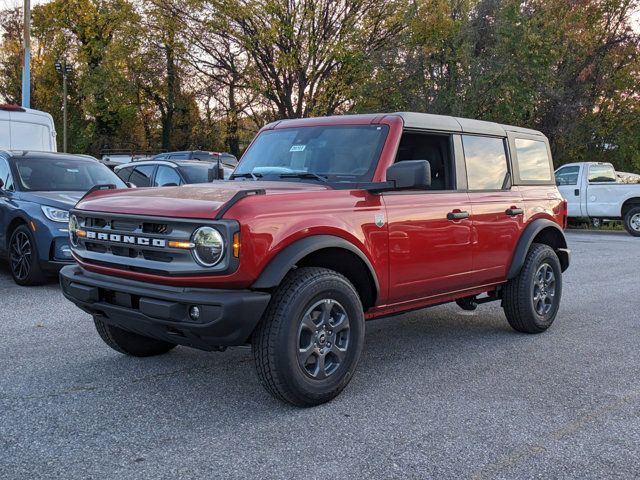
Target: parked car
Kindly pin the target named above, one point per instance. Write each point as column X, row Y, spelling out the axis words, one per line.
column 594, row 192
column 223, row 157
column 169, row 173
column 331, row 221
column 36, row 192
column 26, row 129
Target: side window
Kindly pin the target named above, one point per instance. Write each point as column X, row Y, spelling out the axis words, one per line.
column 567, row 175
column 141, row 176
column 436, row 149
column 179, row 156
column 486, row 160
column 532, row 163
column 124, row 174
column 601, row 173
column 5, row 175
column 167, row 177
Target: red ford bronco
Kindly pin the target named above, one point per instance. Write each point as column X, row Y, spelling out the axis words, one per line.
column 326, row 223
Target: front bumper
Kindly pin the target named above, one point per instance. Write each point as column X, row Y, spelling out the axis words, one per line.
column 52, row 241
column 227, row 317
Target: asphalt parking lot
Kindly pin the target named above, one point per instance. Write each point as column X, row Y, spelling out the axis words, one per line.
column 439, row 393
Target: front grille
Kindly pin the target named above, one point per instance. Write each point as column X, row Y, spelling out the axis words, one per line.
column 156, row 228
column 96, row 247
column 124, row 251
column 139, row 244
column 124, row 226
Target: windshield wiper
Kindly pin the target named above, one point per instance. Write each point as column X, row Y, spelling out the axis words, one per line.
column 315, row 176
column 254, row 176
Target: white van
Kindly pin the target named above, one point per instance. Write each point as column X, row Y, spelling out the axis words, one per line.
column 26, row 129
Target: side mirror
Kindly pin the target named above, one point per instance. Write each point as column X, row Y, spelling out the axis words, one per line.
column 410, row 175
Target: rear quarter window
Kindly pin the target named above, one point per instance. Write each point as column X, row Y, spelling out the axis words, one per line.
column 141, row 176
column 602, row 173
column 532, row 163
column 124, row 174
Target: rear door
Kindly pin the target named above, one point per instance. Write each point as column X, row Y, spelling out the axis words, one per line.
column 568, row 182
column 498, row 208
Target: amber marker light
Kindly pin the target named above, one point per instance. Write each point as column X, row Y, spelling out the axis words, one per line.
column 236, row 245
column 81, row 233
column 33, row 226
column 183, row 245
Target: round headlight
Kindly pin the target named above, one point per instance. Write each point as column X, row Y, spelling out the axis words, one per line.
column 73, row 228
column 209, row 246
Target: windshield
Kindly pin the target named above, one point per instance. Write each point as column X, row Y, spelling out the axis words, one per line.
column 66, row 174
column 347, row 153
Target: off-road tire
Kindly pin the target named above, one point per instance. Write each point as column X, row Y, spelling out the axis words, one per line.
column 35, row 275
column 518, row 295
column 276, row 340
column 627, row 221
column 130, row 343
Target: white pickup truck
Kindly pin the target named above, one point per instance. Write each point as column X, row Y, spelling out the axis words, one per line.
column 593, row 191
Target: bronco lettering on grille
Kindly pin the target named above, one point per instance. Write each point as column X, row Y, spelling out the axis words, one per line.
column 126, row 239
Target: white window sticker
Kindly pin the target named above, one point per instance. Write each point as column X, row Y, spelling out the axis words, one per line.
column 297, row 148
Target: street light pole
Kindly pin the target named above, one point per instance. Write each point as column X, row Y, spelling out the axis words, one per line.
column 63, row 69
column 26, row 69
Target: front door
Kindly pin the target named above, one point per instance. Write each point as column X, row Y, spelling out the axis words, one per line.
column 429, row 243
column 567, row 181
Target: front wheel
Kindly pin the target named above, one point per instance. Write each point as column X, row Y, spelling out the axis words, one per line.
column 23, row 258
column 308, row 343
column 531, row 300
column 632, row 221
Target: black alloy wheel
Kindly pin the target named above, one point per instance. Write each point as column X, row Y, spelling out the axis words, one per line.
column 23, row 258
column 323, row 338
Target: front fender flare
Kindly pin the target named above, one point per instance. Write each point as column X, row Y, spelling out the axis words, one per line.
column 280, row 265
column 526, row 239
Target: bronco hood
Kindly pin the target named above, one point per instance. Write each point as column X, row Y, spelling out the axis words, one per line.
column 188, row 201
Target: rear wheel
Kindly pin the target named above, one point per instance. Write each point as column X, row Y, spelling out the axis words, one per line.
column 130, row 343
column 632, row 221
column 308, row 343
column 23, row 258
column 531, row 300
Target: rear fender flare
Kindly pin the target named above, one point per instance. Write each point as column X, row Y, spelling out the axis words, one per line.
column 526, row 239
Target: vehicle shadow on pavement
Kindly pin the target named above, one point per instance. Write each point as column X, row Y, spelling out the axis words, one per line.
column 424, row 343
column 7, row 280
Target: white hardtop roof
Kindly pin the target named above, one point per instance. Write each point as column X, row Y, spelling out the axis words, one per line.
column 447, row 123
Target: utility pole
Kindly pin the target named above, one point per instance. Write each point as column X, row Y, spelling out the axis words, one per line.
column 26, row 69
column 63, row 69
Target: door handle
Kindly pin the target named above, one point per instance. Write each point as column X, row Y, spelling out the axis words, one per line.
column 576, row 192
column 457, row 215
column 512, row 212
